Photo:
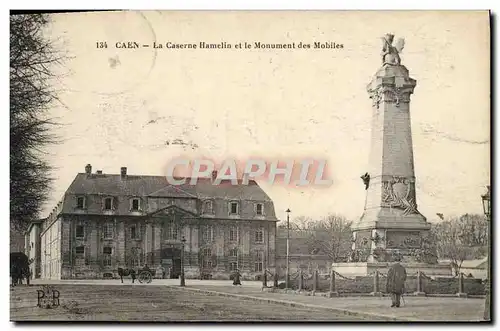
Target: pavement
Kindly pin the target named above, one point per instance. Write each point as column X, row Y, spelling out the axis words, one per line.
column 413, row 308
column 376, row 308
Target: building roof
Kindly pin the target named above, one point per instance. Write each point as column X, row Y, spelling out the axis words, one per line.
column 113, row 184
column 158, row 187
column 478, row 263
column 33, row 223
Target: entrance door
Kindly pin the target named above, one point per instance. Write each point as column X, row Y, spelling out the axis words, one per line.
column 173, row 256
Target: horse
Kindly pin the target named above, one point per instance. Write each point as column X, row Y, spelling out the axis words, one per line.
column 19, row 268
column 125, row 272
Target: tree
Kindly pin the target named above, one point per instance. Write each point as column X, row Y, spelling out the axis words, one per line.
column 330, row 235
column 460, row 239
column 31, row 94
column 474, row 230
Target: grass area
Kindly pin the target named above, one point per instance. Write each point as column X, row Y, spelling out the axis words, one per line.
column 151, row 303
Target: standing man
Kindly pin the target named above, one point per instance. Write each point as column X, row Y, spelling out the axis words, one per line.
column 236, row 278
column 396, row 277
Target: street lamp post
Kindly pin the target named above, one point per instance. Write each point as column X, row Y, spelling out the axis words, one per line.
column 183, row 280
column 487, row 212
column 288, row 211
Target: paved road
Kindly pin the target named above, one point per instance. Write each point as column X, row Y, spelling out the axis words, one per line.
column 92, row 302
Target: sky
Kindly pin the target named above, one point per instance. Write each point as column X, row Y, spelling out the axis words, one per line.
column 122, row 106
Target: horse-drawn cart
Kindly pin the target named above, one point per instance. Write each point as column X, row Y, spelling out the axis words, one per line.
column 144, row 275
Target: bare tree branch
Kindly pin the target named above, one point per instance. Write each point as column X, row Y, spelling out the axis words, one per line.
column 460, row 239
column 329, row 236
column 32, row 58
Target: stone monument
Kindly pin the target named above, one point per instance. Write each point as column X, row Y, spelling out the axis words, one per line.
column 391, row 223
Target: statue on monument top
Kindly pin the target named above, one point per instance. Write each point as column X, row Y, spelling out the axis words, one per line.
column 390, row 53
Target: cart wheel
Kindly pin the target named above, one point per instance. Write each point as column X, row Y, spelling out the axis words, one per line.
column 145, row 277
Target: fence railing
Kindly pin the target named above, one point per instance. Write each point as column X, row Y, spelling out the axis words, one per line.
column 334, row 283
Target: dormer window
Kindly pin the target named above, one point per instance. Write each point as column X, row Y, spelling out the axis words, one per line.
column 108, row 204
column 234, row 208
column 80, row 202
column 259, row 209
column 208, row 207
column 135, row 204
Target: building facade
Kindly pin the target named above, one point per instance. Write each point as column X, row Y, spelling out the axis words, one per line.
column 108, row 221
column 32, row 248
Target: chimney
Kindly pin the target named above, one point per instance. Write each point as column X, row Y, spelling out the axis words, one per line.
column 123, row 172
column 88, row 169
column 245, row 178
column 214, row 175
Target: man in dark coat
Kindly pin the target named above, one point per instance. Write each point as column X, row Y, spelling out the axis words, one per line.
column 236, row 278
column 396, row 277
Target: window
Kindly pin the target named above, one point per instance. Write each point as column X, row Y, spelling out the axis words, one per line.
column 135, row 258
column 208, row 233
column 259, row 209
column 135, row 204
column 207, row 258
column 133, row 232
column 107, row 251
column 108, row 230
column 108, row 203
column 233, row 266
column 171, row 231
column 233, row 252
column 80, row 231
column 208, row 207
column 259, row 236
column 80, row 252
column 233, row 234
column 80, row 202
column 234, row 208
column 259, row 263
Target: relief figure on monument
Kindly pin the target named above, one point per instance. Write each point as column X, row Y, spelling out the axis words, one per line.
column 403, row 240
column 399, row 192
